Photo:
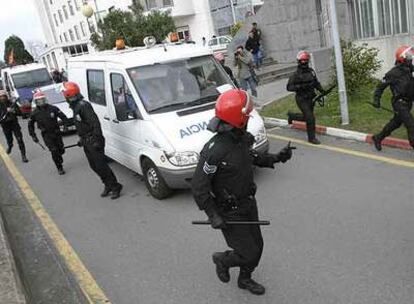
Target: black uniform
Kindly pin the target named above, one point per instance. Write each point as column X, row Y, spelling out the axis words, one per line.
column 10, row 125
column 304, row 82
column 223, row 182
column 46, row 117
column 93, row 142
column 401, row 82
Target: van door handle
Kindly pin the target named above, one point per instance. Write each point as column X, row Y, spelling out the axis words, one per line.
column 115, row 121
column 106, row 118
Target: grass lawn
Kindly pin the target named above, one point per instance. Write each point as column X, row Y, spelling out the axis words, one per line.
column 363, row 117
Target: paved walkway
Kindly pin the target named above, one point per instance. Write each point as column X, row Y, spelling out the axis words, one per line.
column 271, row 92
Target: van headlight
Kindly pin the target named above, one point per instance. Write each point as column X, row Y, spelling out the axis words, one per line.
column 260, row 136
column 182, row 159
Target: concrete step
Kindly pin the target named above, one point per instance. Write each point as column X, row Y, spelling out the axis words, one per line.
column 274, row 77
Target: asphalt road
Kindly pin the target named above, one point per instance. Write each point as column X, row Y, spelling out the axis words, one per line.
column 341, row 230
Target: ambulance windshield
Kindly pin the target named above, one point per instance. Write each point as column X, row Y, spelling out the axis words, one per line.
column 165, row 87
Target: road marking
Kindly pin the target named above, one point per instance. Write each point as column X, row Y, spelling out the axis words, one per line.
column 388, row 160
column 87, row 283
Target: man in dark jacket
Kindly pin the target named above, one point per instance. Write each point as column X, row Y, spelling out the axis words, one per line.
column 10, row 124
column 253, row 46
column 91, row 138
column 221, row 59
column 401, row 81
column 304, row 82
column 223, row 186
column 46, row 116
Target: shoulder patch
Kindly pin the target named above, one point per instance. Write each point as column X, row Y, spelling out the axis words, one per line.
column 211, row 145
column 209, row 169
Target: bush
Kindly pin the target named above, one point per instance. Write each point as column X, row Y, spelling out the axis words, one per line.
column 360, row 65
column 235, row 28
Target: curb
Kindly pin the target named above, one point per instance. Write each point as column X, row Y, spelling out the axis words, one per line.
column 340, row 133
column 11, row 289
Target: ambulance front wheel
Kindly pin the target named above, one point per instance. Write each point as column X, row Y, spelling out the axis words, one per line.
column 154, row 181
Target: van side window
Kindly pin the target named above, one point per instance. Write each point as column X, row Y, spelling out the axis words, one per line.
column 124, row 103
column 96, row 87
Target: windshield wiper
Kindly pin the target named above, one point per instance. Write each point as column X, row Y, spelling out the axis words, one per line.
column 172, row 105
column 204, row 99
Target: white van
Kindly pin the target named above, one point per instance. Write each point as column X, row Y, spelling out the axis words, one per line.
column 154, row 105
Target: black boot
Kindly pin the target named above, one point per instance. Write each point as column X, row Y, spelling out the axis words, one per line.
column 116, row 192
column 60, row 170
column 290, row 118
column 246, row 282
column 377, row 142
column 9, row 149
column 106, row 192
column 24, row 158
column 221, row 270
column 314, row 141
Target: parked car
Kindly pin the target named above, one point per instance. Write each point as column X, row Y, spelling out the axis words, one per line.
column 154, row 105
column 220, row 43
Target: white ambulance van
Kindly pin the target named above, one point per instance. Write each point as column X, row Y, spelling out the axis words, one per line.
column 154, row 104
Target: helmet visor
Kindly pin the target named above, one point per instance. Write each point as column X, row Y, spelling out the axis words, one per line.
column 40, row 101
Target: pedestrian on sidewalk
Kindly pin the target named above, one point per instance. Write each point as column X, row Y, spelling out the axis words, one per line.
column 91, row 138
column 243, row 60
column 401, row 81
column 221, row 59
column 253, row 46
column 46, row 117
column 10, row 124
column 223, row 186
column 304, row 82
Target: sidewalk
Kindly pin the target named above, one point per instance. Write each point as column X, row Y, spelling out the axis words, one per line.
column 11, row 291
column 271, row 91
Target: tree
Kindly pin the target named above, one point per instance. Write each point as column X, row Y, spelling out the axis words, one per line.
column 133, row 26
column 15, row 52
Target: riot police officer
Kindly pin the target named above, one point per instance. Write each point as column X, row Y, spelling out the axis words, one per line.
column 224, row 188
column 46, row 116
column 91, row 138
column 10, row 124
column 304, row 82
column 401, row 81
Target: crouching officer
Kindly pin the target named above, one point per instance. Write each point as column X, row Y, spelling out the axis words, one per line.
column 224, row 188
column 10, row 124
column 401, row 81
column 304, row 82
column 91, row 138
column 46, row 116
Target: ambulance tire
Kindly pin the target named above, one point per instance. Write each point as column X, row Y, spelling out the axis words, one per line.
column 155, row 183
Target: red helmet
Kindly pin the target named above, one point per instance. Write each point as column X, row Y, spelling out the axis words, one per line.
column 39, row 98
column 303, row 56
column 70, row 90
column 234, row 107
column 404, row 53
column 219, row 56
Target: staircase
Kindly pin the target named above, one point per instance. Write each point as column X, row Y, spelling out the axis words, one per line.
column 272, row 70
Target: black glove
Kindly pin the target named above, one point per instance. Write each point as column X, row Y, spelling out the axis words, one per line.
column 35, row 139
column 216, row 220
column 285, row 154
column 376, row 103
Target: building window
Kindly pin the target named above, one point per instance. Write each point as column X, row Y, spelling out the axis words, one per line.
column 183, row 32
column 56, row 20
column 83, row 28
column 65, row 12
column 71, row 11
column 60, row 16
column 66, row 37
column 376, row 18
column 167, row 3
column 61, row 39
column 51, row 2
column 96, row 86
column 76, row 32
column 77, row 4
column 72, row 37
column 150, row 4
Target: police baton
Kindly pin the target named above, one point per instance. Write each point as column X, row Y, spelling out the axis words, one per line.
column 381, row 107
column 260, row 223
column 71, row 146
column 41, row 146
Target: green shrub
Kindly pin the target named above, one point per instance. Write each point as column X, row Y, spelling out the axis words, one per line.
column 360, row 65
column 235, row 28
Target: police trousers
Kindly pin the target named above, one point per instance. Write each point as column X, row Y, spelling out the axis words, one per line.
column 10, row 128
column 53, row 141
column 245, row 240
column 306, row 106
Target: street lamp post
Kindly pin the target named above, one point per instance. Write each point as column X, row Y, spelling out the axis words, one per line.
column 233, row 11
column 339, row 65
